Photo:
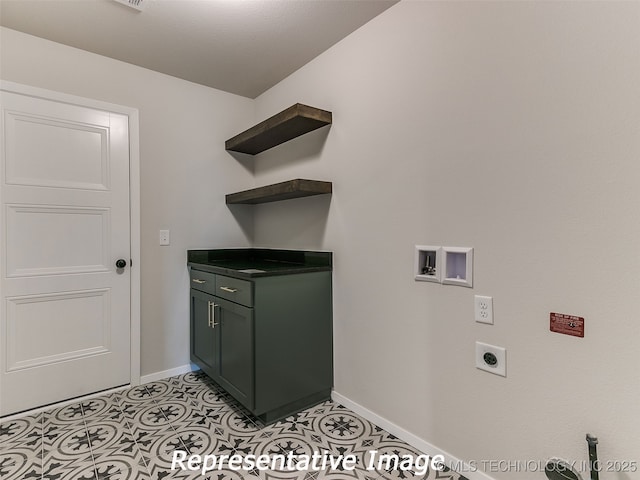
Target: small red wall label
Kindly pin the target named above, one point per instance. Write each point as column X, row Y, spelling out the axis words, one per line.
column 567, row 324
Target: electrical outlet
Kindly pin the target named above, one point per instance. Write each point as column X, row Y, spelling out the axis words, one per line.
column 483, row 309
column 491, row 358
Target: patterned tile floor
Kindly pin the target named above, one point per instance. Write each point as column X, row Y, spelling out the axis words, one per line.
column 133, row 434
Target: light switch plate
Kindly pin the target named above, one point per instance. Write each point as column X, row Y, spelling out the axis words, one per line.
column 164, row 237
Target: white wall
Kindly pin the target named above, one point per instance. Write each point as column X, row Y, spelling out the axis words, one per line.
column 185, row 171
column 510, row 127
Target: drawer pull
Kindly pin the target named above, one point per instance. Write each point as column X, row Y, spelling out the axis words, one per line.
column 229, row 289
column 197, row 280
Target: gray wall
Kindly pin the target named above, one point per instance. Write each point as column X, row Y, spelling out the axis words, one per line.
column 510, row 127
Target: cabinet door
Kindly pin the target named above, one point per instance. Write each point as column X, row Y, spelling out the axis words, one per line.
column 235, row 327
column 204, row 338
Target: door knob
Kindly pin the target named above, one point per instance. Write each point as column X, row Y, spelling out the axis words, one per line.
column 121, row 263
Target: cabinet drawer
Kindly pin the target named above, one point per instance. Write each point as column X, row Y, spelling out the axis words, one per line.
column 234, row 289
column 203, row 281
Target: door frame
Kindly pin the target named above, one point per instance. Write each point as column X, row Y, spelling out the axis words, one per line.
column 134, row 197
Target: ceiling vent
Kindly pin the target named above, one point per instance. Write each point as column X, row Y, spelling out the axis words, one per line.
column 138, row 5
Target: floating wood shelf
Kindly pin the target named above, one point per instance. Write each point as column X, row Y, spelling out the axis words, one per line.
column 280, row 191
column 282, row 127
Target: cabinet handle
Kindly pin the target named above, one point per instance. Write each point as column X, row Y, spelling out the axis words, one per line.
column 197, row 280
column 229, row 289
column 212, row 315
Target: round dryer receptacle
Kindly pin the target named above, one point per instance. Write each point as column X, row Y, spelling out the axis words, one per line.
column 490, row 359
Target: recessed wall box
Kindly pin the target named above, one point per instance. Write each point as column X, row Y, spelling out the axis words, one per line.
column 457, row 263
column 427, row 265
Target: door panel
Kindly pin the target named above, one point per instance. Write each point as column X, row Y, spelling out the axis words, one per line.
column 65, row 309
column 69, row 155
column 37, row 239
column 84, row 316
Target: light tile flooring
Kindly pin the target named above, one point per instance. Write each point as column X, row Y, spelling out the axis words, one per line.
column 132, row 435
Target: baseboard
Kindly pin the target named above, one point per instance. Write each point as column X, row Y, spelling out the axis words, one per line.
column 412, row 439
column 152, row 377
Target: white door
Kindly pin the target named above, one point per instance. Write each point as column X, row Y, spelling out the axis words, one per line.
column 64, row 222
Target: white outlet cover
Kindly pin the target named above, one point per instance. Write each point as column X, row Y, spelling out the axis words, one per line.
column 483, row 309
column 499, row 356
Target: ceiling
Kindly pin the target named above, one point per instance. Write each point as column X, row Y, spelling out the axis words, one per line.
column 239, row 46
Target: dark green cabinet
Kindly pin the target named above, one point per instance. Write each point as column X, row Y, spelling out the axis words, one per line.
column 235, row 329
column 204, row 341
column 267, row 341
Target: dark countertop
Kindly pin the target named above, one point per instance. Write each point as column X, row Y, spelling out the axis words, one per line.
column 259, row 262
